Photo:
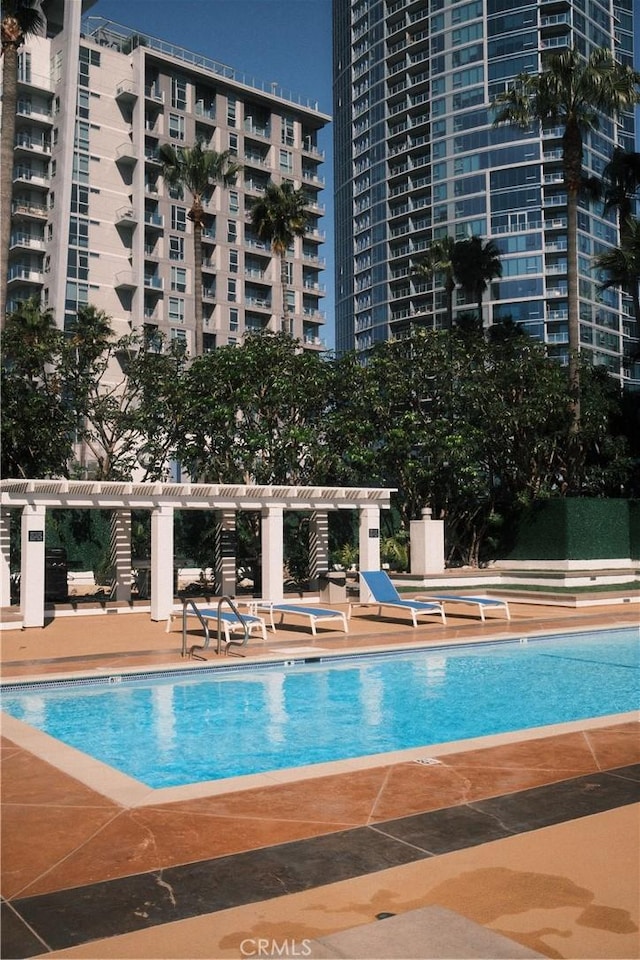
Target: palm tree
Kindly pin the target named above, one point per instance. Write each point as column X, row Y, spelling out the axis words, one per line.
column 199, row 170
column 621, row 265
column 476, row 263
column 278, row 217
column 439, row 261
column 20, row 20
column 621, row 178
column 572, row 92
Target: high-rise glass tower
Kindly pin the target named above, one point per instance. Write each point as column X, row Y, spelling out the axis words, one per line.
column 417, row 158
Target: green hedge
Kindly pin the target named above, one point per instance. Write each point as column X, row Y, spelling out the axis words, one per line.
column 634, row 529
column 578, row 529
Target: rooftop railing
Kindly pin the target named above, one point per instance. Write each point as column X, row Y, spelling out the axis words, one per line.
column 108, row 33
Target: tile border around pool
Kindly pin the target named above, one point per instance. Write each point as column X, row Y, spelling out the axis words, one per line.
column 130, row 793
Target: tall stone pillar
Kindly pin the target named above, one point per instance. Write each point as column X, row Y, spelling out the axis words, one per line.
column 161, row 562
column 225, row 553
column 369, row 544
column 427, row 544
column 32, row 566
column 120, row 548
column 272, row 553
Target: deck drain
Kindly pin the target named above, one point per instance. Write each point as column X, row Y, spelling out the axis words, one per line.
column 429, row 761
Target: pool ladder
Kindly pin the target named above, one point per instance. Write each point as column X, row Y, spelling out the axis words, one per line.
column 190, row 651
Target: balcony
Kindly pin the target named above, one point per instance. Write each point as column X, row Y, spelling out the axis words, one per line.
column 125, row 216
column 28, row 210
column 125, row 280
column 26, row 241
column 35, row 178
column 257, row 129
column 154, row 221
column 23, row 274
column 154, row 283
column 126, row 153
column 153, row 92
column 126, row 91
column 28, row 144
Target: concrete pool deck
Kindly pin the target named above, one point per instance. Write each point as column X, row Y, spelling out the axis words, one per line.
column 534, row 837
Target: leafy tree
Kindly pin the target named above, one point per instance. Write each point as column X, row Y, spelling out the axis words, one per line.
column 263, row 423
column 438, row 262
column 475, row 264
column 573, row 92
column 111, row 397
column 278, row 217
column 126, row 398
column 20, row 20
column 37, row 424
column 198, row 170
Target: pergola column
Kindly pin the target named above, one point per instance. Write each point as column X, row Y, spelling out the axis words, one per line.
column 272, row 552
column 369, row 543
column 161, row 562
column 120, row 545
column 318, row 546
column 5, row 558
column 32, row 566
column 225, row 553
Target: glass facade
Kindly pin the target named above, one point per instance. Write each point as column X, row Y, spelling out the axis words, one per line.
column 417, row 158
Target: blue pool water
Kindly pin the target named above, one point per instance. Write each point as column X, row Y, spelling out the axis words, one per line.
column 213, row 724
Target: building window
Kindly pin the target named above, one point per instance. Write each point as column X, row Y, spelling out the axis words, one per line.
column 78, row 232
column 176, row 126
column 233, row 320
column 286, row 161
column 179, row 279
column 178, row 218
column 231, row 111
column 234, row 201
column 233, row 144
column 176, row 310
column 233, row 261
column 178, row 93
column 176, row 248
column 232, row 291
column 232, row 231
column 287, row 132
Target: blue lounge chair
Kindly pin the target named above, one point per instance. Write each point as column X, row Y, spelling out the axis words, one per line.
column 386, row 596
column 482, row 603
column 314, row 615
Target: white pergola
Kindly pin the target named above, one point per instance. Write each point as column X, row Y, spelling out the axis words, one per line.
column 35, row 497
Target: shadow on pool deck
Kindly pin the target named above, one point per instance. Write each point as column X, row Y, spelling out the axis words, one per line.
column 208, row 877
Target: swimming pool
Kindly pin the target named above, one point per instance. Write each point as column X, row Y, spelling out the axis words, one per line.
column 181, row 728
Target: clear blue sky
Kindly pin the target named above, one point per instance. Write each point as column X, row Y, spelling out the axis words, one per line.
column 287, row 41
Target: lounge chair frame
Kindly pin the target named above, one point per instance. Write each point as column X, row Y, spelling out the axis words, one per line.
column 386, row 597
column 313, row 615
column 482, row 603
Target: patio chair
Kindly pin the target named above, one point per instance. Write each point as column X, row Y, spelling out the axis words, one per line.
column 482, row 603
column 385, row 596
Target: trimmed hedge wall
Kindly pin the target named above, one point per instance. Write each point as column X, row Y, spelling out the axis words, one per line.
column 578, row 529
column 634, row 528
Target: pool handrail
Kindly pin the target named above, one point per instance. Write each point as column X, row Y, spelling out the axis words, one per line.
column 205, row 626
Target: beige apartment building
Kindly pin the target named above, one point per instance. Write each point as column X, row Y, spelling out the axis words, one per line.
column 92, row 220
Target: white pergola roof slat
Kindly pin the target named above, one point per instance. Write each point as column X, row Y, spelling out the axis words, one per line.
column 95, row 494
